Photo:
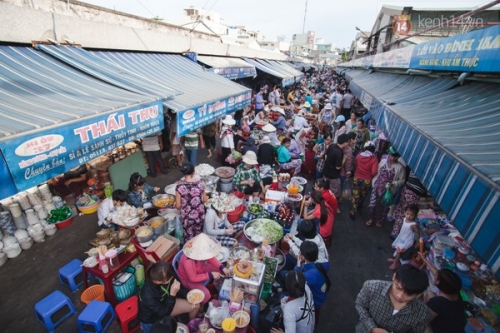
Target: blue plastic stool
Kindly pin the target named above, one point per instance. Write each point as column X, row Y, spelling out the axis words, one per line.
column 53, row 310
column 71, row 275
column 96, row 317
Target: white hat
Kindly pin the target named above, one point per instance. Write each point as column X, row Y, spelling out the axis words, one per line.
column 302, row 112
column 328, row 106
column 369, row 144
column 266, row 108
column 269, row 128
column 339, row 118
column 250, row 158
column 265, row 139
column 278, row 109
column 307, row 105
column 228, row 120
column 201, row 247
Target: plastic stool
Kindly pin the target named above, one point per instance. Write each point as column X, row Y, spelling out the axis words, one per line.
column 126, row 312
column 71, row 275
column 96, row 317
column 53, row 310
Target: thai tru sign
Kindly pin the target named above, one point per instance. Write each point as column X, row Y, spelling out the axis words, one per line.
column 35, row 158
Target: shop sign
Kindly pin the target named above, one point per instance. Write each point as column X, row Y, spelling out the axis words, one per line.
column 235, row 72
column 200, row 116
column 401, row 24
column 35, row 158
column 366, row 99
column 476, row 51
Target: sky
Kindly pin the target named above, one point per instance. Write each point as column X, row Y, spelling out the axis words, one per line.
column 333, row 20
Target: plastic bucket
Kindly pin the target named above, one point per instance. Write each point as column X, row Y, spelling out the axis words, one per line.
column 266, row 290
column 93, row 293
column 234, row 216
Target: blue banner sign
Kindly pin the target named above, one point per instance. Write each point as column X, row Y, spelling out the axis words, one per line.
column 200, row 116
column 235, row 72
column 476, row 51
column 8, row 187
column 35, row 158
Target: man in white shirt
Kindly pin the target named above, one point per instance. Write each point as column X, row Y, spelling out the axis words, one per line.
column 337, row 100
column 347, row 104
column 152, row 146
column 299, row 122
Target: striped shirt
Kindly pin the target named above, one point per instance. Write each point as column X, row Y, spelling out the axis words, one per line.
column 191, row 140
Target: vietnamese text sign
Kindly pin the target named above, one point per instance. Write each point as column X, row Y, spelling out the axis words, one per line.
column 235, row 72
column 200, row 116
column 35, row 158
column 476, row 51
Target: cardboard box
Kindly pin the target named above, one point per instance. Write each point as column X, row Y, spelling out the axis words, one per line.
column 165, row 248
column 274, row 196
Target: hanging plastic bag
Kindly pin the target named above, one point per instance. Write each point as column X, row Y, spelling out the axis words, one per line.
column 346, row 192
column 224, row 312
column 387, row 199
column 178, row 229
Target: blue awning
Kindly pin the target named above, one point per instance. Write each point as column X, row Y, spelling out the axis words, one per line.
column 47, row 106
column 108, row 72
column 207, row 96
column 230, row 68
column 449, row 135
column 269, row 70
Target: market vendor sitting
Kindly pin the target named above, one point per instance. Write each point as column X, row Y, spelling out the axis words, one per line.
column 285, row 159
column 270, row 132
column 72, row 181
column 140, row 193
column 108, row 205
column 217, row 225
column 198, row 264
column 279, row 123
column 247, row 177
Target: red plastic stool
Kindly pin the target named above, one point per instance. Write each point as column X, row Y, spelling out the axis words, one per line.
column 126, row 312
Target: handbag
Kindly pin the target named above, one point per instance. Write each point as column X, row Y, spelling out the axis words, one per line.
column 397, row 196
column 387, row 199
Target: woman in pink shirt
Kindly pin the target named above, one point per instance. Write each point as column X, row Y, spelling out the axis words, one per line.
column 198, row 264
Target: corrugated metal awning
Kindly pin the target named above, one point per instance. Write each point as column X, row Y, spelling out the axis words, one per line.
column 270, row 70
column 288, row 79
column 449, row 135
column 109, row 72
column 230, row 68
column 203, row 91
column 54, row 117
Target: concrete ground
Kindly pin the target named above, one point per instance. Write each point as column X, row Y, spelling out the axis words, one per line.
column 357, row 254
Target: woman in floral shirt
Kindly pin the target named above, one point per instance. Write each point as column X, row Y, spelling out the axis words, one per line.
column 320, row 154
column 190, row 198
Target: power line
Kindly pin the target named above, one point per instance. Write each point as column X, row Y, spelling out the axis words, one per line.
column 140, row 3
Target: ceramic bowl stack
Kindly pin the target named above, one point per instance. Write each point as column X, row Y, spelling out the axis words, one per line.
column 11, row 247
column 50, row 229
column 45, row 192
column 37, row 232
column 31, row 216
column 26, row 243
column 21, row 234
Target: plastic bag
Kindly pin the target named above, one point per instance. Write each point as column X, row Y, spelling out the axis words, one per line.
column 237, row 155
column 346, row 192
column 178, row 229
column 224, row 312
column 387, row 199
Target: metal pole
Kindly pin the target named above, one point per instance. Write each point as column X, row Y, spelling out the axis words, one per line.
column 304, row 24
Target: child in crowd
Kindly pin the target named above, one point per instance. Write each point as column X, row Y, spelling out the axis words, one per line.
column 177, row 150
column 140, row 192
column 309, row 165
column 406, row 237
column 322, row 213
column 108, row 205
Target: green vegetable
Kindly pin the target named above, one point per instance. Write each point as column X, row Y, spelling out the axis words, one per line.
column 270, row 270
column 268, row 229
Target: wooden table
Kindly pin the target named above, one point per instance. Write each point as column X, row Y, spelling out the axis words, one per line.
column 125, row 258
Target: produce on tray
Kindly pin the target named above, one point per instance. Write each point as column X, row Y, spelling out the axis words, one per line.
column 265, row 229
column 255, row 208
column 224, row 172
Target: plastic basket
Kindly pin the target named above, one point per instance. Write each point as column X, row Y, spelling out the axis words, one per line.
column 93, row 293
column 126, row 289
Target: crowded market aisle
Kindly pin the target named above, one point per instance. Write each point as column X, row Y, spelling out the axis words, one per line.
column 357, row 254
